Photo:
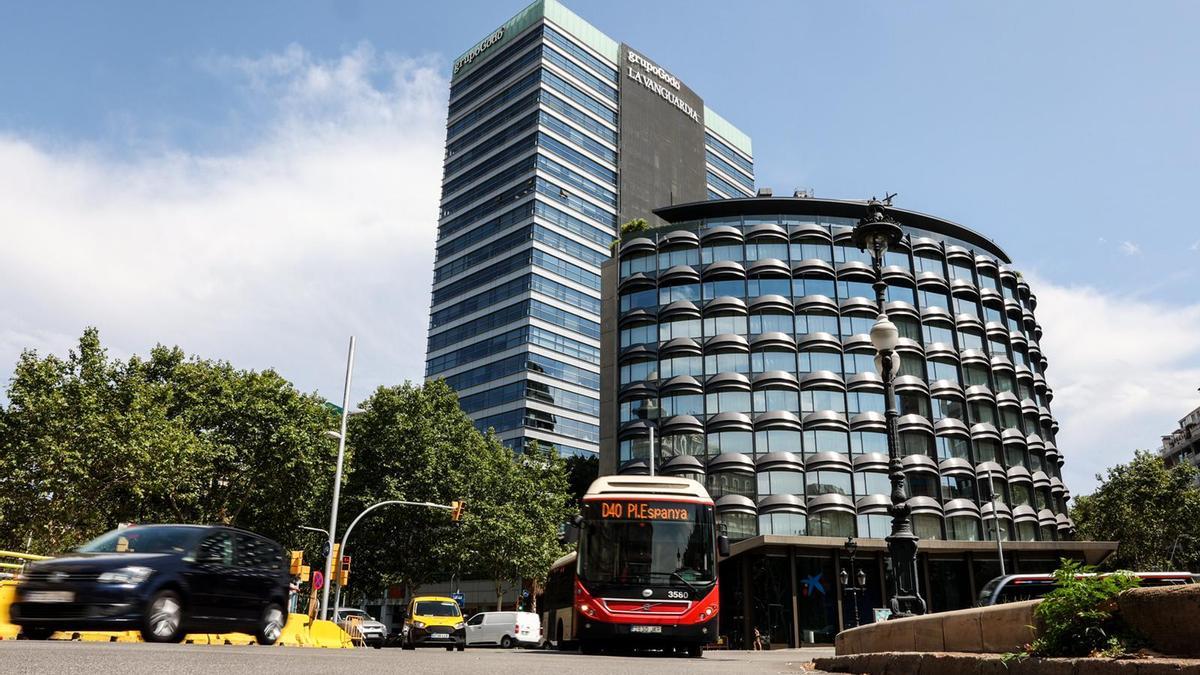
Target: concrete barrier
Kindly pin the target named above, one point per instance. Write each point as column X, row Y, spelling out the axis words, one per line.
column 979, row 630
column 1165, row 616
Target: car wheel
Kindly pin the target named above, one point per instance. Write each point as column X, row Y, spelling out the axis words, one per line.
column 450, row 648
column 506, row 642
column 37, row 633
column 461, row 648
column 163, row 621
column 695, row 651
column 270, row 627
column 407, row 644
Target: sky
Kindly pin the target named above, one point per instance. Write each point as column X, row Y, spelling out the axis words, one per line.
column 255, row 182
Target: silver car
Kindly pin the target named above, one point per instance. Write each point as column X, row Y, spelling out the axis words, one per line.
column 373, row 632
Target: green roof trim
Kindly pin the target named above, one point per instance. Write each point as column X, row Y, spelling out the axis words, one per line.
column 729, row 133
column 582, row 30
column 540, row 9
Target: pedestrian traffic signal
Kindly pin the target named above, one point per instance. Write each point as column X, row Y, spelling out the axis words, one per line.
column 345, row 563
column 456, row 510
column 297, row 563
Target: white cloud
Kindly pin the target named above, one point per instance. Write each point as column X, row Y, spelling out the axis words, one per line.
column 269, row 256
column 1195, row 245
column 1130, row 248
column 1124, row 370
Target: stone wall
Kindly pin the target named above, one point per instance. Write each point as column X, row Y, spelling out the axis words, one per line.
column 996, row 629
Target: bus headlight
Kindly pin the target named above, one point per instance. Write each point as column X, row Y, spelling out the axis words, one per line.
column 587, row 609
column 710, row 611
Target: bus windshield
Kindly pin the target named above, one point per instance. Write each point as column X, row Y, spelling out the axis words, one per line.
column 647, row 542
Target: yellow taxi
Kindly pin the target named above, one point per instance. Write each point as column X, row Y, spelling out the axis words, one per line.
column 434, row 621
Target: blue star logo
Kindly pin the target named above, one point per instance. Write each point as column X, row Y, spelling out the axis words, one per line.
column 814, row 583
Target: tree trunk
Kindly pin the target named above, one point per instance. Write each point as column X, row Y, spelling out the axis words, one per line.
column 499, row 596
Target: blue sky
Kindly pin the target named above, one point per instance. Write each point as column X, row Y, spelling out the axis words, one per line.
column 255, row 180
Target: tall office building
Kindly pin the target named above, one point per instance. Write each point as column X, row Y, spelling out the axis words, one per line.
column 556, row 133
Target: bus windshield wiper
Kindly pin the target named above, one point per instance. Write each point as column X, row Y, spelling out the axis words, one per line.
column 676, row 575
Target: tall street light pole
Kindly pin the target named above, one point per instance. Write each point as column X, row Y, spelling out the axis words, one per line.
column 337, row 480
column 876, row 232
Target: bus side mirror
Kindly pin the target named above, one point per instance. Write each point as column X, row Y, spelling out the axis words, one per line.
column 723, row 545
column 568, row 533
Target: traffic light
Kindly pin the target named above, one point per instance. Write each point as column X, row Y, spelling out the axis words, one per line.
column 343, row 571
column 456, row 510
column 296, row 564
column 335, row 556
column 344, row 579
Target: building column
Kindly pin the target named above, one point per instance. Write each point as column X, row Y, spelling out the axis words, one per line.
column 795, row 597
column 841, row 591
column 747, row 627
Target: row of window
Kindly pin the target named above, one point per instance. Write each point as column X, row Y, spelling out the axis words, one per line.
column 725, row 186
column 534, row 257
column 531, row 391
column 726, row 151
column 716, row 160
column 876, row 526
column 520, row 363
column 494, row 71
column 525, row 334
column 855, row 443
column 510, row 289
column 540, row 420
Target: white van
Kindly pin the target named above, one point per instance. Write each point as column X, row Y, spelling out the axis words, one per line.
column 507, row 629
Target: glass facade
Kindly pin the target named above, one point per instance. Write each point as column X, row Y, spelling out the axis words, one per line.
column 528, row 212
column 746, row 334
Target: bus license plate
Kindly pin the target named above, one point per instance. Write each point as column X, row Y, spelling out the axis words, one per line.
column 49, row 596
column 645, row 629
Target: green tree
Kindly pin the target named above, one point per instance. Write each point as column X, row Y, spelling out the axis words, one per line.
column 582, row 471
column 513, row 533
column 88, row 442
column 1149, row 509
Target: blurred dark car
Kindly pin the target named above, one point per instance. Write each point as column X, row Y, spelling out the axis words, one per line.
column 163, row 580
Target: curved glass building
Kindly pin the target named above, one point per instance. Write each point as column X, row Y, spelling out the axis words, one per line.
column 738, row 331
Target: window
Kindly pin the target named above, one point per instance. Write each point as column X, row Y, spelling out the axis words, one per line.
column 725, row 287
column 908, row 327
column 216, row 549
column 921, row 484
column 976, row 374
column 859, row 363
column 958, row 487
column 942, row 370
column 730, row 441
column 831, row 524
column 865, row 401
column 728, row 401
column 737, row 525
column 927, row 526
column 682, row 444
column 767, row 250
column 636, row 372
column 993, row 314
column 925, row 262
column 933, row 299
column 772, row 323
column 827, row 482
column 912, row 364
column 825, row 441
column 944, row 408
column 1027, row 531
column 638, row 299
column 952, row 447
column 1020, row 494
column 850, row 253
column 681, row 365
column 669, row 294
column 811, row 249
column 813, row 286
column 814, row 361
column 902, row 294
column 727, row 363
column 711, row 254
column 813, row 400
column 1005, row 382
column 639, row 263
column 871, row 483
column 1010, row 418
column 637, row 409
column 686, row 404
column 988, row 280
column 688, row 328
column 634, row 448
column 776, row 399
column 916, row 443
column 912, row 403
column 760, row 362
column 966, row 306
column 255, row 553
column 637, row 335
column 679, row 256
column 769, row 286
column 868, row 441
column 721, row 325
column 963, row 528
column 875, row 525
column 787, row 524
column 777, row 440
column 780, row 483
column 855, row 289
column 857, row 325
column 960, row 270
column 731, row 483
column 938, row 333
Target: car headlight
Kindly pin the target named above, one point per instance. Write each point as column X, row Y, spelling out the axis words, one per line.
column 459, row 625
column 418, row 624
column 126, row 575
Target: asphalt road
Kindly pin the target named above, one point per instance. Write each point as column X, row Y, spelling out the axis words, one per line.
column 91, row 657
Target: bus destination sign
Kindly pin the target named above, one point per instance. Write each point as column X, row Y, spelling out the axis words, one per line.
column 642, row 510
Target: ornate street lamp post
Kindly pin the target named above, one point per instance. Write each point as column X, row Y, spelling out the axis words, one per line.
column 857, row 574
column 875, row 233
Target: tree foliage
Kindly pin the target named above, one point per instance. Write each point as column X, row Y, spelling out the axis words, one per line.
column 88, row 442
column 1150, row 509
column 414, row 443
column 581, row 472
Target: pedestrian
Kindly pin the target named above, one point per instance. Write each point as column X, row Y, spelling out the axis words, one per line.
column 758, row 640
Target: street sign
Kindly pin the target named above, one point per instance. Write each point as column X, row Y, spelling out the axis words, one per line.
column 524, row 592
column 318, row 580
column 325, row 550
column 459, row 598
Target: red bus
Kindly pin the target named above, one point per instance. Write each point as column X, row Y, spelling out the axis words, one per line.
column 645, row 571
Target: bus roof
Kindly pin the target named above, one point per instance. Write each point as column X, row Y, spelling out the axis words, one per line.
column 647, row 486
